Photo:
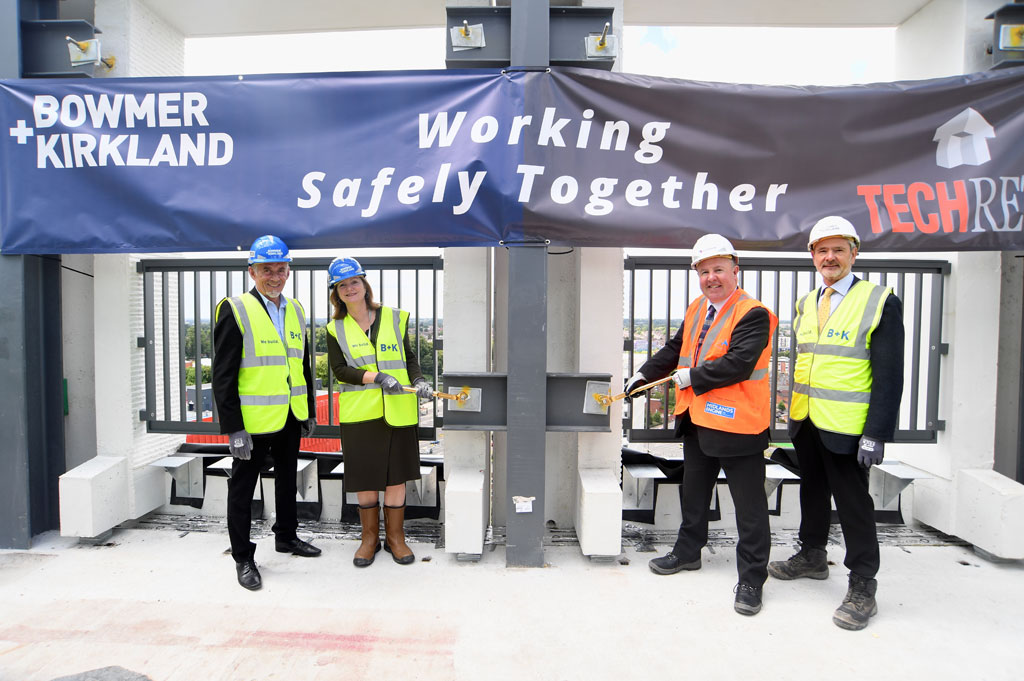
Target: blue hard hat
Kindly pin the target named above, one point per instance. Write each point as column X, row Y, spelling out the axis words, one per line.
column 268, row 248
column 343, row 268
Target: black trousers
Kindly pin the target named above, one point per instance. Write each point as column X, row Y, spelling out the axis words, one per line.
column 283, row 449
column 745, row 475
column 824, row 475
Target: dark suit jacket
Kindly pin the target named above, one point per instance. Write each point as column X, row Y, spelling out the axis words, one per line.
column 748, row 340
column 227, row 358
column 886, row 386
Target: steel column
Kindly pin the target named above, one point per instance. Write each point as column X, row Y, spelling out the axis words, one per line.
column 527, row 404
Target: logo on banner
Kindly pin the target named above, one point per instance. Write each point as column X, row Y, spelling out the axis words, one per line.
column 976, row 204
column 80, row 131
column 962, row 140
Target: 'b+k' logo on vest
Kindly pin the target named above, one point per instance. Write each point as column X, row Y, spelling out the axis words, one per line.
column 841, row 335
column 393, row 347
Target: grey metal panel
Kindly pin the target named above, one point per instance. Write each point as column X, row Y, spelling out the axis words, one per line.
column 10, row 41
column 496, row 22
column 44, row 51
column 527, row 408
column 565, row 396
column 14, row 474
column 31, row 406
column 493, row 414
column 570, row 27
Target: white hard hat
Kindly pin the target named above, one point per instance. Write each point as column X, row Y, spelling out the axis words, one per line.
column 712, row 246
column 833, row 225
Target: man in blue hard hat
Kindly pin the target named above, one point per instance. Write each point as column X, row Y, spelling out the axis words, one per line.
column 262, row 382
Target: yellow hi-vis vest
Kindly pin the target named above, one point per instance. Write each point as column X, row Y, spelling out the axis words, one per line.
column 270, row 377
column 366, row 402
column 832, row 377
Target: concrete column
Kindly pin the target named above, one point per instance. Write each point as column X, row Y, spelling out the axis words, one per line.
column 467, row 348
column 598, row 511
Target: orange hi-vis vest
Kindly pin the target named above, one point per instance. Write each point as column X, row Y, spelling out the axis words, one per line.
column 743, row 407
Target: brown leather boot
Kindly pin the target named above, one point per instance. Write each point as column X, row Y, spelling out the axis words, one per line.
column 369, row 516
column 394, row 535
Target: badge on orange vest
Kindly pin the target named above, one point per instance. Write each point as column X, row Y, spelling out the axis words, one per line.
column 720, row 410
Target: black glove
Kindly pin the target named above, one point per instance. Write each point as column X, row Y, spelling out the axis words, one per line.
column 423, row 389
column 870, row 452
column 389, row 384
column 308, row 426
column 635, row 381
column 240, row 445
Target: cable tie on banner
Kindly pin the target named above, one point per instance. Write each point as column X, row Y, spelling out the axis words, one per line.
column 525, row 242
column 525, row 69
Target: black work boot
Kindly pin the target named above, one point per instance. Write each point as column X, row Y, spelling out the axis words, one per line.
column 748, row 599
column 807, row 562
column 858, row 605
column 671, row 563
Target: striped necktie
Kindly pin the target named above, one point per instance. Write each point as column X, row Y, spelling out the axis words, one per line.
column 824, row 307
column 704, row 330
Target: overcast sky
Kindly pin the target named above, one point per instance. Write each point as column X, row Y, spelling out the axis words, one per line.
column 797, row 56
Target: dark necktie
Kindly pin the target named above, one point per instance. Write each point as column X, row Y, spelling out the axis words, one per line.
column 704, row 330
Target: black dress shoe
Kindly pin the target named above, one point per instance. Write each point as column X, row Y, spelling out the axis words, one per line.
column 297, row 547
column 248, row 575
column 671, row 564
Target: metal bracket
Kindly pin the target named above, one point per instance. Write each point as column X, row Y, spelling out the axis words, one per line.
column 467, row 37
column 187, row 472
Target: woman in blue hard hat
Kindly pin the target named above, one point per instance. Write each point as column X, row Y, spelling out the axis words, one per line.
column 369, row 353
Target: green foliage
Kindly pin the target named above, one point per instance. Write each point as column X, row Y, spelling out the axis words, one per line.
column 190, row 375
column 205, row 340
column 426, row 358
column 321, row 338
column 322, row 368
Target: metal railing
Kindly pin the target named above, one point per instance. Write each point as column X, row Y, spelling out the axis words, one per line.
column 658, row 290
column 181, row 296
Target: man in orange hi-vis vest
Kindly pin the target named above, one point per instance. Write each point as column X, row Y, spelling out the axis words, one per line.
column 720, row 359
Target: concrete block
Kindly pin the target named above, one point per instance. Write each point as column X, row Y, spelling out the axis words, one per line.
column 333, row 491
column 465, row 517
column 150, row 491
column 990, row 512
column 93, row 496
column 599, row 512
column 934, row 504
column 215, row 496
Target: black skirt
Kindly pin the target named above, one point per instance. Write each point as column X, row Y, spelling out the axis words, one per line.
column 378, row 455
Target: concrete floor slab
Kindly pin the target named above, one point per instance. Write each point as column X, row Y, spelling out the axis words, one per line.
column 165, row 604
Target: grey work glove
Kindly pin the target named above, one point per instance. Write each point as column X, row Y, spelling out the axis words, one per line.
column 682, row 378
column 240, row 445
column 870, row 452
column 634, row 382
column 389, row 384
column 423, row 389
column 308, row 426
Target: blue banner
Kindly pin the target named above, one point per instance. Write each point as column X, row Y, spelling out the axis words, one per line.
column 323, row 161
column 482, row 157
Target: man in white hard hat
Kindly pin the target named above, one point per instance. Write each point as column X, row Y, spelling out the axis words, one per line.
column 847, row 385
column 719, row 359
